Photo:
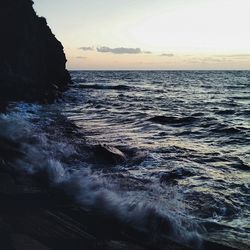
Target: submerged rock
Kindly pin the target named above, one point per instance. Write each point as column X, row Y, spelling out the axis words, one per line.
column 32, row 65
column 109, row 155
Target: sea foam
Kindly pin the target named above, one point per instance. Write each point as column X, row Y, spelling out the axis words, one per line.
column 155, row 210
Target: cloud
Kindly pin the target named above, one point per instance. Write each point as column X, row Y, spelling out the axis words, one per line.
column 237, row 56
column 206, row 60
column 81, row 57
column 86, row 48
column 167, row 55
column 120, row 50
column 147, row 52
column 220, row 58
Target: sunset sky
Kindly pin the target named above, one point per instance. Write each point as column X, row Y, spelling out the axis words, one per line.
column 146, row 34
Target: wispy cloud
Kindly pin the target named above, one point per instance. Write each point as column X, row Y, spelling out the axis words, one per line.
column 86, row 48
column 167, row 54
column 81, row 57
column 120, row 50
column 147, row 52
column 237, row 56
column 207, row 60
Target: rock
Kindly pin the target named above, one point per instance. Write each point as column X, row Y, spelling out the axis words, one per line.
column 32, row 65
column 109, row 155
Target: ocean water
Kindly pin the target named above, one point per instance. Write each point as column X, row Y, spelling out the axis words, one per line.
column 186, row 138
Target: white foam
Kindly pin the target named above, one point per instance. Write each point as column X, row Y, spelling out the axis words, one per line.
column 154, row 209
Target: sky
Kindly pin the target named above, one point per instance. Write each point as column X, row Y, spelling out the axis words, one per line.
column 153, row 35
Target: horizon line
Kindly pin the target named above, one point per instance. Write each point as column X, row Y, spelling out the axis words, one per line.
column 158, row 69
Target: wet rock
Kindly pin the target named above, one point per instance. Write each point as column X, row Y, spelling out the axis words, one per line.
column 32, row 65
column 108, row 155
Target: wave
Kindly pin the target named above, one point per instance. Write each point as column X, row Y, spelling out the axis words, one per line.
column 225, row 112
column 173, row 120
column 156, row 210
column 103, row 86
column 224, row 129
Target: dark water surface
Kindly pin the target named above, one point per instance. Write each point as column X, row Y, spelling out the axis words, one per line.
column 186, row 138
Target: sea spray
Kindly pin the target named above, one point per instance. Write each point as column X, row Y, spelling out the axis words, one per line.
column 155, row 210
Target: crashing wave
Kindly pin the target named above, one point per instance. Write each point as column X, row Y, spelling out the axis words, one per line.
column 154, row 210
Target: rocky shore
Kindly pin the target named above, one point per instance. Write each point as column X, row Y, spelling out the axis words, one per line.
column 33, row 215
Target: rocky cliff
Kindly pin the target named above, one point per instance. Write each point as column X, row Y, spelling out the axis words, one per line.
column 32, row 60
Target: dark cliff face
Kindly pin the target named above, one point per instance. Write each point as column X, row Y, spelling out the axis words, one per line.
column 32, row 61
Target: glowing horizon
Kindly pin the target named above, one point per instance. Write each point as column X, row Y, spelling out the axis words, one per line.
column 163, row 34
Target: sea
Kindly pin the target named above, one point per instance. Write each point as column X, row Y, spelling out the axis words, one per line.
column 185, row 136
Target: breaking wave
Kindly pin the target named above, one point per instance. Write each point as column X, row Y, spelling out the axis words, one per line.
column 59, row 162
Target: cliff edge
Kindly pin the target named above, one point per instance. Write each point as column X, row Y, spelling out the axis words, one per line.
column 32, row 60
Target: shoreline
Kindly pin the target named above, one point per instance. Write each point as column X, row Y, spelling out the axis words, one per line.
column 42, row 217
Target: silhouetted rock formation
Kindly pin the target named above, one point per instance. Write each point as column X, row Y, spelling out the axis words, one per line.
column 32, row 61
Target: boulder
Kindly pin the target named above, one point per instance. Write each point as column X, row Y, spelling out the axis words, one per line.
column 108, row 155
